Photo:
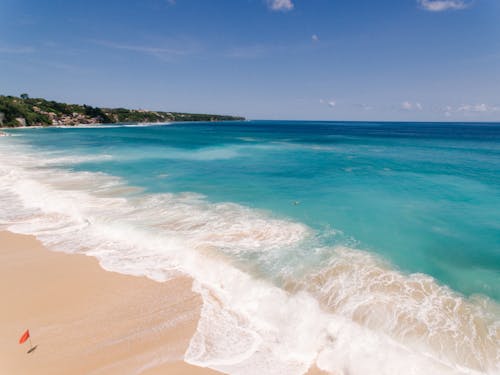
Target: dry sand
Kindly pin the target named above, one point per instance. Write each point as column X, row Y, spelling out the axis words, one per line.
column 85, row 320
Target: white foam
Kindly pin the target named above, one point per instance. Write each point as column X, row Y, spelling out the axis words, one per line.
column 413, row 310
column 248, row 325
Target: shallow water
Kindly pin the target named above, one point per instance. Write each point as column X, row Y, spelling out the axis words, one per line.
column 347, row 235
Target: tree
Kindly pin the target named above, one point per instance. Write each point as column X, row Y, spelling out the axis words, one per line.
column 24, row 96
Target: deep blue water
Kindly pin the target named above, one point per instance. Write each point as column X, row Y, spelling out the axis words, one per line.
column 425, row 196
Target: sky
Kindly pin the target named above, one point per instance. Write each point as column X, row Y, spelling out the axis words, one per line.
column 393, row 60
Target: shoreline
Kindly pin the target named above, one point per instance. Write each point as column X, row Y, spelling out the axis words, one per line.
column 93, row 125
column 85, row 320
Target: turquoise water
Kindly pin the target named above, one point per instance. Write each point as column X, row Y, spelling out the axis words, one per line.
column 424, row 196
column 309, row 242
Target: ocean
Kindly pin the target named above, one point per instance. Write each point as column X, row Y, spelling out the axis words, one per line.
column 361, row 247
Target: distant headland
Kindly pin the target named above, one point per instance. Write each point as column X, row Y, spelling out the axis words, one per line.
column 26, row 111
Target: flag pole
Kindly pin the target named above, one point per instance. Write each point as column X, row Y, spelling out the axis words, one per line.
column 31, row 345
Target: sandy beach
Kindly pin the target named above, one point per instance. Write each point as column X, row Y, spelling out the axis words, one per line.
column 85, row 320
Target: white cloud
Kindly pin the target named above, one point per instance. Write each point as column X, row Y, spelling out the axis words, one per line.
column 409, row 106
column 448, row 110
column 364, row 106
column 176, row 49
column 477, row 108
column 148, row 49
column 280, row 5
column 470, row 109
column 315, row 38
column 441, row 5
column 330, row 103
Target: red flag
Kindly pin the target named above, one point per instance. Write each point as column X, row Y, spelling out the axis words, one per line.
column 25, row 336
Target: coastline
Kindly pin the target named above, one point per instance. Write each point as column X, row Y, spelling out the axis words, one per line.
column 92, row 125
column 76, row 211
column 85, row 320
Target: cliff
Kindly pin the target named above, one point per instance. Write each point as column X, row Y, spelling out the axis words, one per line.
column 25, row 111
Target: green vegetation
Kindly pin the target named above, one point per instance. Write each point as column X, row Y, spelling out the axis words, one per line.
column 26, row 111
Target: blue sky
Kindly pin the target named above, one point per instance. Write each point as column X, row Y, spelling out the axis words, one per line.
column 422, row 60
